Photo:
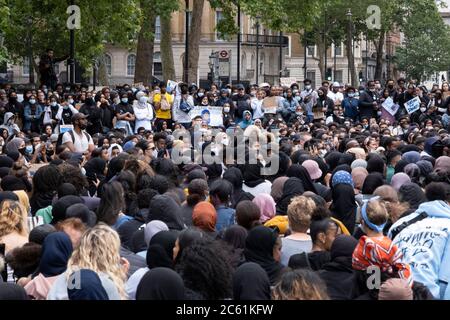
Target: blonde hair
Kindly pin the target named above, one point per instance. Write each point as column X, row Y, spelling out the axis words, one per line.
column 299, row 213
column 12, row 218
column 300, row 285
column 99, row 250
column 377, row 212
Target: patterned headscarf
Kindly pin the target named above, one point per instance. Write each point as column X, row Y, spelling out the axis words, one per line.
column 342, row 177
column 383, row 253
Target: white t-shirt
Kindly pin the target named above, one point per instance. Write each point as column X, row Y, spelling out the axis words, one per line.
column 81, row 142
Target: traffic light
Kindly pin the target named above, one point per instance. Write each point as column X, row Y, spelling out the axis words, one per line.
column 361, row 76
column 329, row 73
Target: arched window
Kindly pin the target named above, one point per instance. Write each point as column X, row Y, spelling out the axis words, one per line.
column 131, row 64
column 108, row 64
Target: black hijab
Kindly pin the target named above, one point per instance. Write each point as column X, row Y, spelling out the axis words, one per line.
column 234, row 176
column 400, row 166
column 413, row 194
column 375, row 164
column 259, row 249
column 346, row 158
column 160, row 250
column 161, row 284
column 298, row 171
column 95, row 168
column 332, row 160
column 250, row 282
column 165, row 209
column 56, row 251
column 235, row 236
column 12, row 291
column 343, row 206
column 252, row 175
column 372, row 181
column 292, row 187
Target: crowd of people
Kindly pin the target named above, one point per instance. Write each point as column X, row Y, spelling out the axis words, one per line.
column 96, row 204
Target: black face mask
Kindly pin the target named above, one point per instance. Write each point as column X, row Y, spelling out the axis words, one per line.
column 391, row 86
column 13, row 99
column 50, row 153
column 22, row 151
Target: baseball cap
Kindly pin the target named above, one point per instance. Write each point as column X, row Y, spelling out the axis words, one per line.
column 264, row 84
column 78, row 116
column 296, row 138
column 313, row 169
column 336, row 84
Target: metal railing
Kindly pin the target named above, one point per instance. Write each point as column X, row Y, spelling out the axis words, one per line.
column 246, row 39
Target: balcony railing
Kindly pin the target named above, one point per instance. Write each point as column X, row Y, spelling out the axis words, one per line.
column 246, row 39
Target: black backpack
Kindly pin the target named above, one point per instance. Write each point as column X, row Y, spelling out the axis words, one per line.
column 60, row 136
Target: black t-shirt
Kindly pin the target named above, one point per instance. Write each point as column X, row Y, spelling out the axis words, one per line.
column 242, row 104
column 67, row 116
column 124, row 108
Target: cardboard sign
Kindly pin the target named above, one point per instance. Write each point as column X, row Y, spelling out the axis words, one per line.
column 287, row 82
column 412, row 105
column 212, row 115
column 390, row 106
column 270, row 105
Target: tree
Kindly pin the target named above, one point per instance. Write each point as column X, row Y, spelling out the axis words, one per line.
column 194, row 39
column 4, row 12
column 145, row 45
column 102, row 21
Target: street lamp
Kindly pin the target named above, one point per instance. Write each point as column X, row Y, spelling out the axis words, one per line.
column 211, row 66
column 186, row 44
column 388, row 56
column 349, row 40
column 72, row 51
column 238, row 78
column 30, row 50
column 257, row 48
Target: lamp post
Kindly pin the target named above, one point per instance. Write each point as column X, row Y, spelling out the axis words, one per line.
column 30, row 51
column 186, row 44
column 349, row 42
column 280, row 61
column 389, row 56
column 238, row 78
column 257, row 49
column 72, row 52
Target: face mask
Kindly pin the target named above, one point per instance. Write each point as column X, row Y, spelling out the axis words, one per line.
column 125, row 100
column 379, row 113
column 29, row 149
column 22, row 151
column 50, row 152
column 298, row 98
column 373, row 90
column 423, row 109
column 307, row 87
column 351, row 95
column 295, row 91
column 226, row 109
column 32, row 101
column 71, row 101
column 200, row 94
column 430, row 127
column 54, row 104
column 116, row 100
column 336, row 113
column 13, row 99
column 134, row 90
column 299, row 113
column 391, row 86
column 143, row 100
column 229, row 91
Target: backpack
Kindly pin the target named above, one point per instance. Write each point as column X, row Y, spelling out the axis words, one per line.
column 60, row 137
column 184, row 106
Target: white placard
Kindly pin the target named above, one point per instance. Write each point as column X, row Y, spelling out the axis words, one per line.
column 390, row 106
column 212, row 115
column 412, row 105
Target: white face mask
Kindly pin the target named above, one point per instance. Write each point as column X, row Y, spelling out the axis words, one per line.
column 143, row 100
column 423, row 109
column 226, row 109
column 32, row 101
column 54, row 104
column 307, row 87
column 71, row 101
column 351, row 95
column 200, row 94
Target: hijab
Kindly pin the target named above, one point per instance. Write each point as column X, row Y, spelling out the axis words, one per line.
column 332, row 159
column 293, row 187
column 56, row 251
column 90, row 288
column 12, row 291
column 412, row 194
column 161, row 284
column 277, row 188
column 343, row 206
column 400, row 166
column 358, row 176
column 6, row 162
column 342, row 177
column 375, row 164
column 399, row 179
column 152, row 228
column 259, row 249
column 266, row 205
column 251, row 282
column 411, row 156
column 300, row 172
column 13, row 145
column 372, row 181
column 413, row 171
column 160, row 250
column 95, row 167
column 110, row 149
column 442, row 164
column 252, row 175
column 165, row 209
column 204, row 216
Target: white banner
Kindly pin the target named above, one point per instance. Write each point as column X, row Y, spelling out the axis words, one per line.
column 287, row 82
column 212, row 115
column 390, row 106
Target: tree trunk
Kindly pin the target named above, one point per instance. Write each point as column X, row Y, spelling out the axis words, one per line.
column 146, row 40
column 379, row 67
column 168, row 65
column 320, row 53
column 194, row 40
column 102, row 72
column 351, row 57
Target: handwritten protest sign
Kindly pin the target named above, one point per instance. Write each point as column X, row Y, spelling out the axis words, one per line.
column 412, row 105
column 212, row 115
column 270, row 105
column 287, row 82
column 390, row 106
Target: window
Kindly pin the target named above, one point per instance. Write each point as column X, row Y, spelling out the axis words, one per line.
column 339, row 76
column 157, row 65
column 26, row 66
column 311, row 75
column 311, row 51
column 219, row 17
column 108, row 64
column 131, row 64
column 338, row 50
column 158, row 29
